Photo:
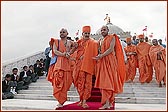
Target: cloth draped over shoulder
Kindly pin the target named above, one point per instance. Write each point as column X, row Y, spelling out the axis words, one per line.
column 51, row 67
column 87, row 49
column 60, row 74
column 120, row 59
column 91, row 50
column 131, row 62
column 60, row 64
column 159, row 64
column 85, row 67
column 144, row 62
column 110, row 70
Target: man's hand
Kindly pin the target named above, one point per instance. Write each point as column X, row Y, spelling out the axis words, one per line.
column 81, row 58
column 67, row 55
column 99, row 56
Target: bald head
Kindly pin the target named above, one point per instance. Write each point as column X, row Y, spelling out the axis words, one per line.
column 63, row 33
column 63, row 29
column 104, row 30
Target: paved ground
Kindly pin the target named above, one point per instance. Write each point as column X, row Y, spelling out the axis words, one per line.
column 22, row 104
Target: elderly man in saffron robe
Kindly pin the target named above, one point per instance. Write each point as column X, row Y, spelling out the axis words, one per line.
column 85, row 65
column 157, row 55
column 110, row 70
column 144, row 62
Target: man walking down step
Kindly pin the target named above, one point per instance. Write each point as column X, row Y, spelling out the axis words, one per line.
column 110, row 70
column 60, row 74
column 85, row 65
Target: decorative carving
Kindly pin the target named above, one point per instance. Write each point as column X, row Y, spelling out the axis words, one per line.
column 107, row 18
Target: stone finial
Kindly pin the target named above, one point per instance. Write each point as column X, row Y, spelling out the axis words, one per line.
column 107, row 18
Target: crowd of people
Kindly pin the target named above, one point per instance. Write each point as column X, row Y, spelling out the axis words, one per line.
column 109, row 59
column 148, row 57
column 20, row 81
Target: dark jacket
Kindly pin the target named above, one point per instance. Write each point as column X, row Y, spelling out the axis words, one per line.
column 4, row 86
column 22, row 74
column 13, row 78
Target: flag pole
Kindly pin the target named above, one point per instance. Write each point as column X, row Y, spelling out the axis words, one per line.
column 146, row 31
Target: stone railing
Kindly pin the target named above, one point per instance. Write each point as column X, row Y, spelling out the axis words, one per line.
column 20, row 62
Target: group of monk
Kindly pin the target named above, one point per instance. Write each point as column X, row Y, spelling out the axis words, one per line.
column 78, row 61
column 147, row 58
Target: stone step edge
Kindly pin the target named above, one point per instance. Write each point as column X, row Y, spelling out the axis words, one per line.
column 115, row 97
column 150, row 92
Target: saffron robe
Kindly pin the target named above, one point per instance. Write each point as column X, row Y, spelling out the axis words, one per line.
column 110, row 70
column 144, row 62
column 158, row 64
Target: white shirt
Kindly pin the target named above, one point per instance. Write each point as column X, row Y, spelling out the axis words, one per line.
column 50, row 54
column 15, row 76
column 25, row 75
column 123, row 44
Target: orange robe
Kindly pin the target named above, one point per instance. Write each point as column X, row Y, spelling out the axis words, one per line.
column 110, row 71
column 84, row 68
column 144, row 62
column 61, row 75
column 51, row 67
column 131, row 62
column 73, row 62
column 159, row 64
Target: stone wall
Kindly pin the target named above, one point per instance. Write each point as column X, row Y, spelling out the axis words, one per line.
column 19, row 63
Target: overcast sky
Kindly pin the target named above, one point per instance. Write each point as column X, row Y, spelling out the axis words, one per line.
column 27, row 26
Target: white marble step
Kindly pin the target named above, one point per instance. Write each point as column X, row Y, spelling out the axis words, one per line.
column 44, row 97
column 26, row 104
column 46, row 87
column 119, row 99
column 141, row 100
column 44, row 92
column 129, row 95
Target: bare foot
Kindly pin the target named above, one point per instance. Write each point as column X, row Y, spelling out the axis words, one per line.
column 80, row 103
column 59, row 106
column 104, row 107
column 160, row 85
column 84, row 105
column 110, row 105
